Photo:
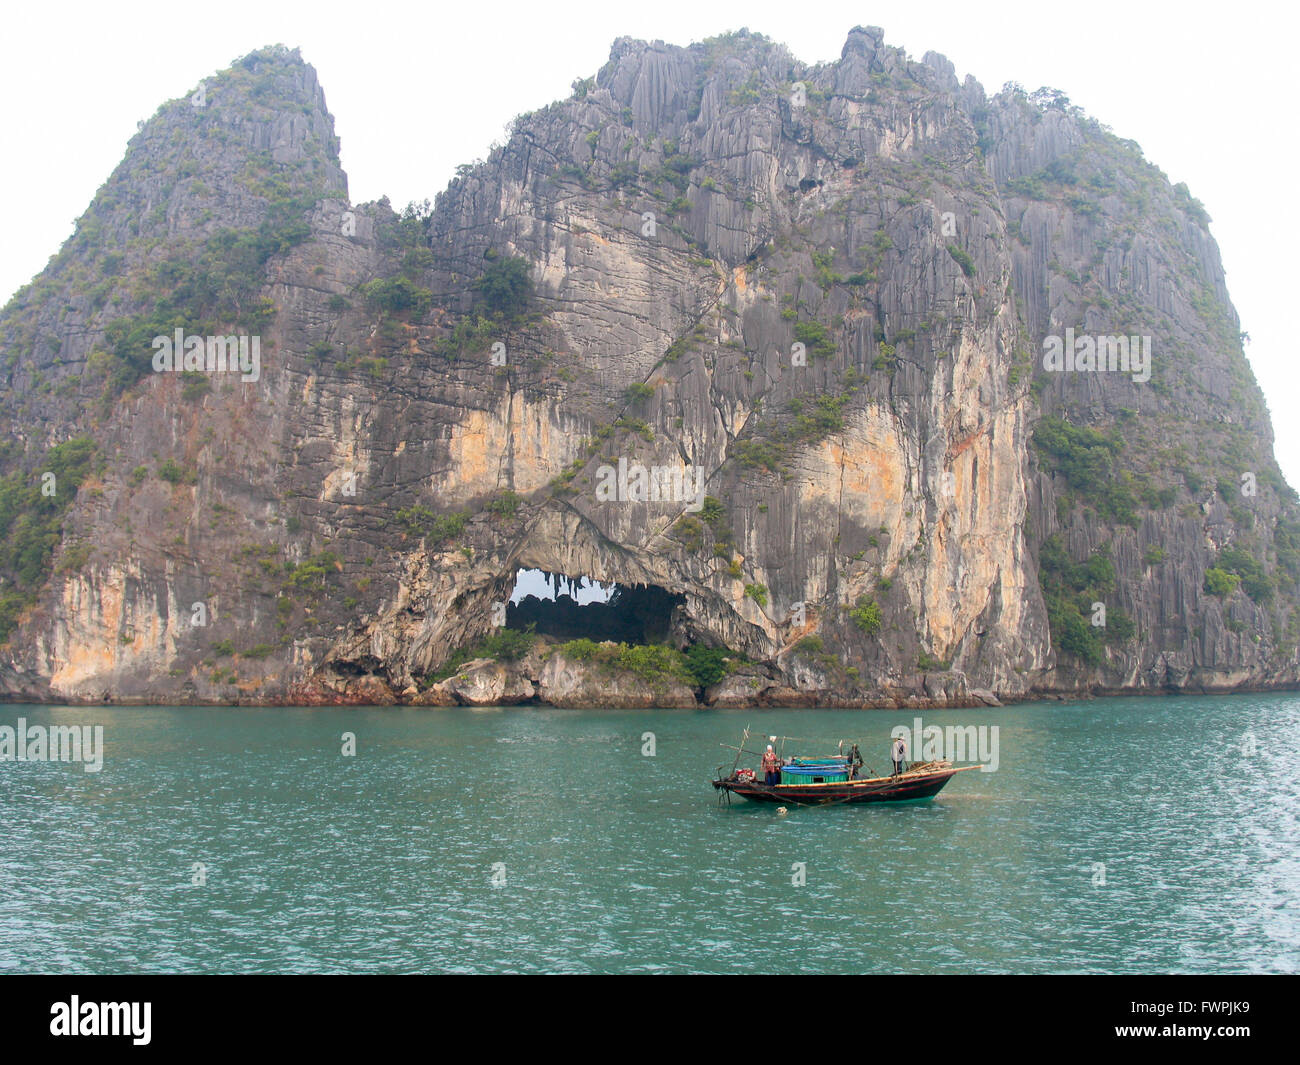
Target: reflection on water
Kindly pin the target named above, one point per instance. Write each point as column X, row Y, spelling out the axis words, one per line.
column 1116, row 836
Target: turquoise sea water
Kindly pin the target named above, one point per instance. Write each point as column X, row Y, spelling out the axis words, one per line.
column 605, row 859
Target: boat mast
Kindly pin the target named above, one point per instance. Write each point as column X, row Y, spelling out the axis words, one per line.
column 741, row 750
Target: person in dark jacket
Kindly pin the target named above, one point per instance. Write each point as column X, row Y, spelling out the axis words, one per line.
column 855, row 762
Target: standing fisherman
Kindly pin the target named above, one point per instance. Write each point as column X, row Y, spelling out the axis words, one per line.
column 771, row 767
column 855, row 762
column 898, row 752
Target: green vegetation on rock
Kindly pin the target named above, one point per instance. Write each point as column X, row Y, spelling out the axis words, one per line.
column 505, row 288
column 1070, row 589
column 32, row 506
column 866, row 616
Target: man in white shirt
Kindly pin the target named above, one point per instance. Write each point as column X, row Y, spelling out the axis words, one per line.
column 899, row 754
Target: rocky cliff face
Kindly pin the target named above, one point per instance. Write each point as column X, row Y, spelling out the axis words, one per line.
column 811, row 304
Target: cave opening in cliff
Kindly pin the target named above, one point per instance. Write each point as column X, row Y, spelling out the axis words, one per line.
column 570, row 608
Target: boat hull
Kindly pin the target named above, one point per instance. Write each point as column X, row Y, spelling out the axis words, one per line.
column 908, row 787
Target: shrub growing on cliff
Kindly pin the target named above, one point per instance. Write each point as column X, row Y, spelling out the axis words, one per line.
column 759, row 454
column 1286, row 541
column 1190, row 205
column 962, row 259
column 505, row 287
column 1255, row 582
column 1072, row 634
column 174, row 473
column 1220, row 582
column 826, row 416
column 312, row 575
column 436, row 528
column 396, row 294
column 650, row 662
column 410, row 229
column 583, row 649
column 12, row 605
column 1086, row 459
column 653, row 663
column 502, row 644
column 714, row 514
column 691, row 532
column 1084, row 456
column 811, row 423
column 508, row 644
column 1069, row 590
column 707, row 665
column 506, row 504
column 195, row 385
column 816, row 337
column 866, row 616
column 31, row 523
column 469, row 334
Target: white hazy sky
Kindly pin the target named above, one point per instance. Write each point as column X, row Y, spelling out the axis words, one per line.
column 416, row 89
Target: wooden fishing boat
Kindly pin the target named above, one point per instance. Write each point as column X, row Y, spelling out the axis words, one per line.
column 834, row 779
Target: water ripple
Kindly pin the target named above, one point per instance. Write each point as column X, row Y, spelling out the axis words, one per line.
column 1116, row 836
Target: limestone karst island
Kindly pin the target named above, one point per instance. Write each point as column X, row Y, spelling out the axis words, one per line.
column 726, row 381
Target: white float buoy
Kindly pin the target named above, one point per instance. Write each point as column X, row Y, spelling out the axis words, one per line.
column 781, row 811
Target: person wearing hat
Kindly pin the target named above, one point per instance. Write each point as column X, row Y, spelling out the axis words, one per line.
column 898, row 753
column 771, row 766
